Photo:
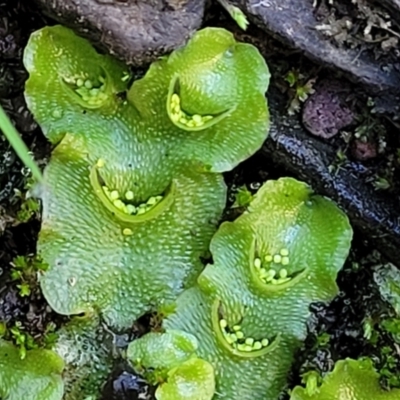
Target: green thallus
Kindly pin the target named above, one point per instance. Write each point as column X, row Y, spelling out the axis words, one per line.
column 235, row 337
column 178, row 115
column 270, row 275
column 192, row 199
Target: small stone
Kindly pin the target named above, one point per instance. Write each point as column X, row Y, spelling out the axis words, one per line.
column 257, row 263
column 223, row 323
column 79, row 82
column 326, row 111
column 127, row 232
column 248, row 348
column 364, row 151
column 140, row 211
column 249, row 341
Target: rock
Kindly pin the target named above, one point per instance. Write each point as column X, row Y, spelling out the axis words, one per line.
column 374, row 213
column 364, row 151
column 325, row 112
column 294, row 23
column 137, row 31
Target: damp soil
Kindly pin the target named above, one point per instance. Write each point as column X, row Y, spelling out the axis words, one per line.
column 336, row 331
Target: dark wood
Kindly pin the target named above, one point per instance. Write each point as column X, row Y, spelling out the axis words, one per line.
column 136, row 31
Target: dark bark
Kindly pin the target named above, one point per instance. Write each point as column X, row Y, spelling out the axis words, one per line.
column 376, row 214
column 137, row 31
column 293, row 23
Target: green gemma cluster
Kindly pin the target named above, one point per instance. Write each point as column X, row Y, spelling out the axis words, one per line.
column 269, row 270
column 132, row 195
column 236, row 338
column 92, row 93
column 118, row 204
column 249, row 321
column 179, row 116
column 123, row 203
